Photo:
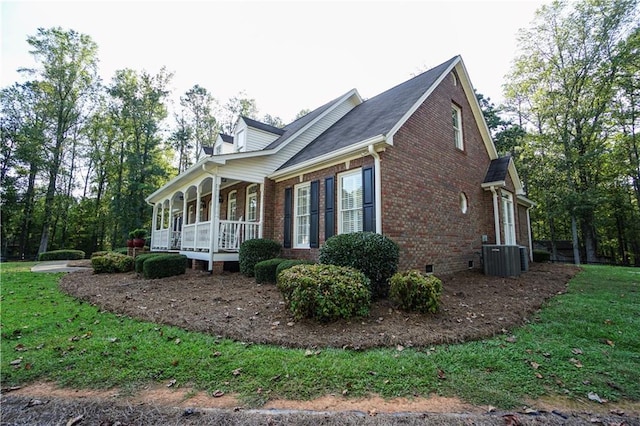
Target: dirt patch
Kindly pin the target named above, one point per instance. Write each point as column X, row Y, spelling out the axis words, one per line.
column 474, row 306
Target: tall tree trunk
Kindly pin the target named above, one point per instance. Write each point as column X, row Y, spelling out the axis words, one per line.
column 27, row 211
column 574, row 239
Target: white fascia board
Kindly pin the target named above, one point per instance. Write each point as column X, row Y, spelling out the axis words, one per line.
column 477, row 111
column 178, row 181
column 488, row 185
column 420, row 101
column 296, row 169
column 517, row 183
column 523, row 200
column 344, row 98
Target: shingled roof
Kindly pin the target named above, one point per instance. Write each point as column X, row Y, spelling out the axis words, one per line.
column 291, row 128
column 262, row 126
column 375, row 116
column 498, row 170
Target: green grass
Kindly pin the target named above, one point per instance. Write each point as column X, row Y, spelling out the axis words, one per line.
column 587, row 340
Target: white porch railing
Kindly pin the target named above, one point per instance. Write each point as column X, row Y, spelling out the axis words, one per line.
column 232, row 233
column 196, row 237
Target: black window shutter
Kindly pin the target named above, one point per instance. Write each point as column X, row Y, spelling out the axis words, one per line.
column 314, row 226
column 368, row 201
column 329, row 202
column 288, row 192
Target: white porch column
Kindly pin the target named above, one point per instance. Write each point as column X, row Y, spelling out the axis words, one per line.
column 154, row 225
column 261, row 223
column 185, row 215
column 496, row 214
column 215, row 219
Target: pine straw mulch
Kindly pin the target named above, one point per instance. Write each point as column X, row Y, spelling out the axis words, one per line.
column 473, row 306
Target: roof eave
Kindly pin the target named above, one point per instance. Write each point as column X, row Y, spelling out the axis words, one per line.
column 296, row 169
column 498, row 183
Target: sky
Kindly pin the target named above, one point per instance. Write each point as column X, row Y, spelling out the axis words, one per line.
column 288, row 56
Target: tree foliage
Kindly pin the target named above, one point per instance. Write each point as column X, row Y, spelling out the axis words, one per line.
column 565, row 88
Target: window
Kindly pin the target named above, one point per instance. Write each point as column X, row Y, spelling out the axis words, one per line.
column 507, row 219
column 464, row 203
column 232, row 205
column 241, row 138
column 350, row 202
column 456, row 116
column 252, row 203
column 301, row 219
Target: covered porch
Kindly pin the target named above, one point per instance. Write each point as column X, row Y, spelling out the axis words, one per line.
column 207, row 219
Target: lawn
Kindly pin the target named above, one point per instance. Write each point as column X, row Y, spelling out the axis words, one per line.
column 586, row 341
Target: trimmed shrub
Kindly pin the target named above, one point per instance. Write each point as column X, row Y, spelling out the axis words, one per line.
column 541, row 256
column 164, row 265
column 121, row 250
column 98, row 253
column 111, row 263
column 140, row 259
column 373, row 254
column 254, row 251
column 61, row 255
column 416, row 292
column 325, row 292
column 265, row 271
column 291, row 262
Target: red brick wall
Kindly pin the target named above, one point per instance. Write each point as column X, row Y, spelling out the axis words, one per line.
column 423, row 175
column 278, row 206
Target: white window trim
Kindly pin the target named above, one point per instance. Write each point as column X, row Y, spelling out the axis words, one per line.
column 341, row 176
column 241, row 140
column 296, row 216
column 235, row 202
column 248, row 202
column 509, row 227
column 458, row 136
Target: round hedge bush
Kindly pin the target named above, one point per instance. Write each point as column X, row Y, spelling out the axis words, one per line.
column 164, row 265
column 111, row 263
column 265, row 271
column 416, row 292
column 373, row 254
column 141, row 258
column 325, row 292
column 291, row 262
column 254, row 251
column 61, row 255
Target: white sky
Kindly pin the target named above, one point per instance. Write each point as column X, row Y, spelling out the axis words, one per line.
column 286, row 55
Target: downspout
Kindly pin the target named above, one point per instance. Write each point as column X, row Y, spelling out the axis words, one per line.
column 378, row 188
column 496, row 214
column 530, row 236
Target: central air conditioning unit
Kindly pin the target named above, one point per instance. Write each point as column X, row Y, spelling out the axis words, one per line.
column 502, row 261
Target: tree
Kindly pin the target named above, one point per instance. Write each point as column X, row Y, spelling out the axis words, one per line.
column 237, row 106
column 567, row 75
column 273, row 121
column 203, row 128
column 67, row 73
column 137, row 111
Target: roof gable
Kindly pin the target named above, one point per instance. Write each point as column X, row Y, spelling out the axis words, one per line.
column 379, row 115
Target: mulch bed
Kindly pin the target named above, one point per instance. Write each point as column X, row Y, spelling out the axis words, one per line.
column 473, row 306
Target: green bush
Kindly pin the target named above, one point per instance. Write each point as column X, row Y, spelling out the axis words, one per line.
column 121, row 250
column 111, row 263
column 541, row 256
column 374, row 255
column 140, row 259
column 325, row 292
column 265, row 271
column 291, row 262
column 254, row 251
column 98, row 253
column 416, row 292
column 61, row 255
column 164, row 265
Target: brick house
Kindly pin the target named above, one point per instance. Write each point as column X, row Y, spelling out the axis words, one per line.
column 415, row 163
